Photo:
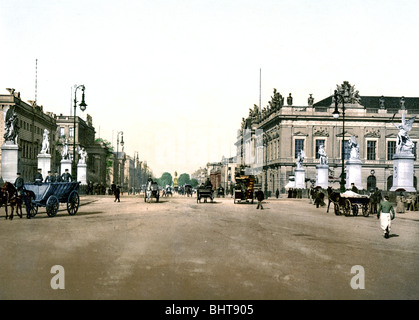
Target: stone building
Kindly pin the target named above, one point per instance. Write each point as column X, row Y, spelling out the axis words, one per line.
column 270, row 139
column 32, row 121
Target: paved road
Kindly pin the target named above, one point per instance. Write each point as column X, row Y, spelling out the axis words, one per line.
column 180, row 249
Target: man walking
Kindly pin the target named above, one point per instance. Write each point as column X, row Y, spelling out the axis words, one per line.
column 385, row 214
column 260, row 197
column 117, row 192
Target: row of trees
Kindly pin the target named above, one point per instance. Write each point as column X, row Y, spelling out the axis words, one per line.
column 184, row 178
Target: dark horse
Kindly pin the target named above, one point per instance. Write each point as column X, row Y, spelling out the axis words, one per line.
column 333, row 197
column 10, row 197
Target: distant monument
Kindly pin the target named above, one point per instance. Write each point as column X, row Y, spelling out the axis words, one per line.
column 44, row 157
column 66, row 162
column 300, row 173
column 322, row 169
column 403, row 159
column 175, row 185
column 10, row 163
column 354, row 165
column 82, row 166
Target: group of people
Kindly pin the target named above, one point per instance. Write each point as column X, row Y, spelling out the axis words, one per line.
column 39, row 179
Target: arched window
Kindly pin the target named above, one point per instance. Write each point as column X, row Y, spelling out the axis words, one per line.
column 389, row 182
column 371, row 183
column 415, row 182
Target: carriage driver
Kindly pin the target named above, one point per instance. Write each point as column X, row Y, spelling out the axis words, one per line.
column 38, row 177
column 19, row 184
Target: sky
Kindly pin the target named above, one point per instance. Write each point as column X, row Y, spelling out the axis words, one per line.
column 177, row 77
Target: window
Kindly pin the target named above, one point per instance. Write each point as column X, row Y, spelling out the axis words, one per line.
column 391, row 149
column 299, row 145
column 347, row 150
column 371, row 183
column 371, row 149
column 62, row 133
column 318, row 144
column 71, row 132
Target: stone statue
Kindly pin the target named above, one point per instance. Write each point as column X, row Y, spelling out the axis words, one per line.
column 353, row 144
column 289, row 100
column 11, row 126
column 82, row 155
column 323, row 155
column 64, row 153
column 45, row 142
column 310, row 100
column 404, row 144
column 300, row 159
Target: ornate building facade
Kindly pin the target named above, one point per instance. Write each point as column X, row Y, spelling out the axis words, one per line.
column 270, row 139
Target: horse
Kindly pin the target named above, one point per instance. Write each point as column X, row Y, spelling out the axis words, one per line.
column 10, row 197
column 333, row 196
column 148, row 191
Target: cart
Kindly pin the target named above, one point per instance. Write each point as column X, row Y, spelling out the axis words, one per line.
column 49, row 195
column 244, row 189
column 204, row 192
column 152, row 191
column 352, row 202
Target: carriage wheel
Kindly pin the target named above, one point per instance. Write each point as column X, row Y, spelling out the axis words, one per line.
column 73, row 203
column 347, row 207
column 355, row 209
column 337, row 209
column 366, row 209
column 52, row 206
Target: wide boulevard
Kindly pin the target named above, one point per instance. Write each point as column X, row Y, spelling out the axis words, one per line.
column 181, row 249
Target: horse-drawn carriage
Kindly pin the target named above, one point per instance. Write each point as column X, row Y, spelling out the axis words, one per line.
column 347, row 202
column 49, row 195
column 188, row 190
column 244, row 189
column 152, row 191
column 204, row 192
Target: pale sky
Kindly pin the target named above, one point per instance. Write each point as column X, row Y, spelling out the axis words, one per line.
column 178, row 76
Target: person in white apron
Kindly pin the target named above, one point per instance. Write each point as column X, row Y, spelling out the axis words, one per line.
column 385, row 214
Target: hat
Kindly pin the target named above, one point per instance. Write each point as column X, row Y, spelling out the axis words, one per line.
column 66, row 169
column 18, row 173
column 39, row 169
column 49, row 171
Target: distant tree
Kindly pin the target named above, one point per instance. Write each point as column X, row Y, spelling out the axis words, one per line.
column 165, row 179
column 109, row 147
column 194, row 183
column 183, row 179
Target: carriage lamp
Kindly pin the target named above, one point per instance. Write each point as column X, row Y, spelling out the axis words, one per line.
column 82, row 106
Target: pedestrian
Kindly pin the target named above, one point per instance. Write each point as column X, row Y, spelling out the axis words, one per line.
column 385, row 214
column 116, row 193
column 38, row 177
column 260, row 197
column 400, row 203
column 57, row 177
column 66, row 176
column 277, row 193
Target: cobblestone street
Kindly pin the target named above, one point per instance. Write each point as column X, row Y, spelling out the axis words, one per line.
column 181, row 249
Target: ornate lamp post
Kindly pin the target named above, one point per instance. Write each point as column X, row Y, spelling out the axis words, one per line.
column 335, row 113
column 135, row 168
column 120, row 133
column 266, row 139
column 82, row 106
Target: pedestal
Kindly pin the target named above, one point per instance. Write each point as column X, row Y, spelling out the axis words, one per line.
column 66, row 164
column 300, row 178
column 82, row 173
column 44, row 163
column 322, row 176
column 354, row 173
column 403, row 165
column 10, row 164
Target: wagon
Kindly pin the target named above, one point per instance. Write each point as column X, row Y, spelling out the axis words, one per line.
column 152, row 191
column 204, row 192
column 352, row 202
column 49, row 195
column 244, row 189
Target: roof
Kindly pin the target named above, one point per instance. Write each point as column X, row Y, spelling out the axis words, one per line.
column 373, row 102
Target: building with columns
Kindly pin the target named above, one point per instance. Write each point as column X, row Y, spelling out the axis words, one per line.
column 270, row 139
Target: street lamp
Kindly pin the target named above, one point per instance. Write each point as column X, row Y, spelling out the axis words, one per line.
column 135, row 168
column 82, row 106
column 266, row 139
column 336, row 116
column 120, row 133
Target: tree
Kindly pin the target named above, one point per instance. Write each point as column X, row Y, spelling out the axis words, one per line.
column 109, row 150
column 194, row 183
column 165, row 179
column 184, row 179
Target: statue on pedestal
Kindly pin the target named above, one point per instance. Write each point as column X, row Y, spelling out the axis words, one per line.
column 64, row 153
column 45, row 142
column 82, row 155
column 353, row 144
column 323, row 155
column 404, row 143
column 300, row 159
column 11, row 126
